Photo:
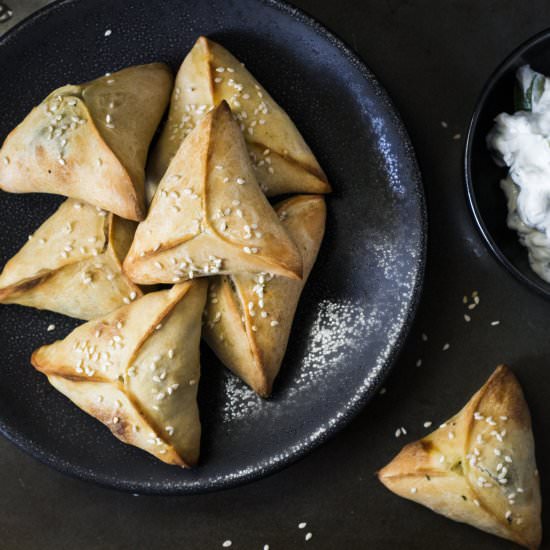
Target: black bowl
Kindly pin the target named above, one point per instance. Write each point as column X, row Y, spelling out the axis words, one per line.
column 486, row 198
column 359, row 301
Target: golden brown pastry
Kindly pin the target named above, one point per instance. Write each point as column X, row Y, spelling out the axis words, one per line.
column 137, row 371
column 478, row 467
column 90, row 141
column 72, row 264
column 282, row 161
column 249, row 316
column 209, row 216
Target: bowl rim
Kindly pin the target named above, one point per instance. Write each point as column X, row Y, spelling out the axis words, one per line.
column 536, row 284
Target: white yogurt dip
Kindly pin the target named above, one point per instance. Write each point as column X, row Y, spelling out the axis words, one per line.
column 522, row 143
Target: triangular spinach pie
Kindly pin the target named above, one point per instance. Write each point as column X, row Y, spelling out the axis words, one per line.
column 90, row 141
column 72, row 264
column 249, row 316
column 137, row 371
column 478, row 467
column 209, row 216
column 282, row 161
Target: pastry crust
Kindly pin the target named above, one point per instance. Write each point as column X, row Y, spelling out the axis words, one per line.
column 479, row 467
column 137, row 371
column 72, row 264
column 282, row 161
column 209, row 216
column 249, row 316
column 90, row 141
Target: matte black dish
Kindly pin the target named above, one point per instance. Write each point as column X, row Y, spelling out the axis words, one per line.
column 359, row 302
column 483, row 176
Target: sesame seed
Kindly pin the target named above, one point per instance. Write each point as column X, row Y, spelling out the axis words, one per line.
column 133, row 295
column 508, row 514
column 446, row 347
column 108, row 32
column 495, row 323
column 274, row 323
column 308, row 536
column 227, row 543
column 6, row 160
column 413, row 490
column 457, row 136
column 424, row 337
column 419, row 363
column 50, row 328
column 427, row 424
column 467, row 318
column 125, row 300
column 170, row 353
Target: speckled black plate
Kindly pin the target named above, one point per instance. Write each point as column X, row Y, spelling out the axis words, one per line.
column 359, row 302
column 486, row 198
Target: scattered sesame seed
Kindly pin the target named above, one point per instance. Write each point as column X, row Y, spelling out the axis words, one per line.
column 108, row 32
column 495, row 323
column 116, row 419
column 227, row 543
column 444, row 124
column 446, row 347
column 419, row 363
column 457, row 136
column 383, row 391
column 274, row 323
column 50, row 328
column 6, row 160
column 424, row 337
column 467, row 318
column 308, row 536
column 302, row 525
column 427, row 424
column 413, row 490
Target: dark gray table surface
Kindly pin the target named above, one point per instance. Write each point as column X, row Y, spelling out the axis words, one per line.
column 432, row 57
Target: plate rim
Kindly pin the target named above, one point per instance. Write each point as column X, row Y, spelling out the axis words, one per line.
column 358, row 401
column 539, row 286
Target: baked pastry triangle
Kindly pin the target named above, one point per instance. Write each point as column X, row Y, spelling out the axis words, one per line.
column 478, row 467
column 282, row 161
column 72, row 264
column 137, row 370
column 90, row 141
column 209, row 216
column 249, row 316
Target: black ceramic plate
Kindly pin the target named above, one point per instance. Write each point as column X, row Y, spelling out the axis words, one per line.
column 487, row 200
column 360, row 299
